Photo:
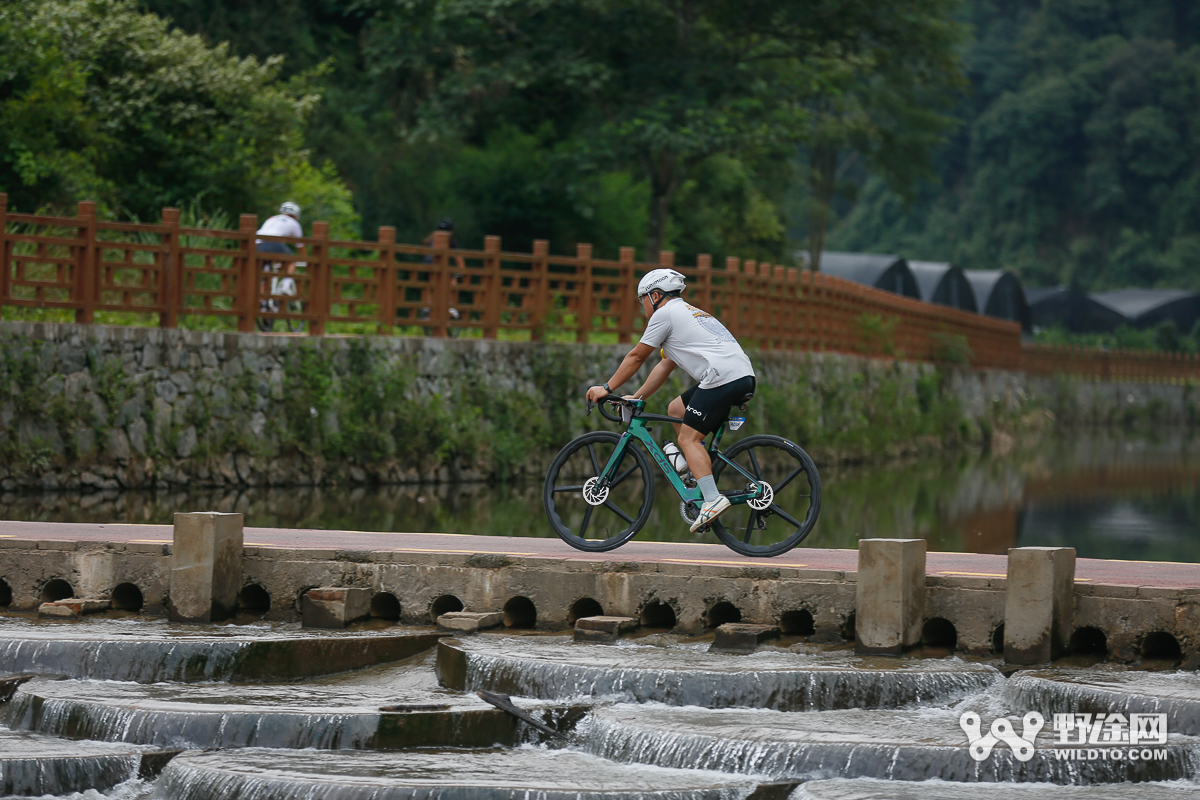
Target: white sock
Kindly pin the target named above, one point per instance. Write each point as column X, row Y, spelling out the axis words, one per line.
column 708, row 487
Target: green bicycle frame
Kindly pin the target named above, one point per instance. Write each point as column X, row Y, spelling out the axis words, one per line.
column 637, row 430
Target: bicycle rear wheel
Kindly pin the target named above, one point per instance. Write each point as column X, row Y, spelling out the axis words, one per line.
column 589, row 516
column 782, row 520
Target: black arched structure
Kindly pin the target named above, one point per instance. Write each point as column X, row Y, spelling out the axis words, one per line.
column 999, row 294
column 1073, row 310
column 1145, row 308
column 944, row 284
column 890, row 273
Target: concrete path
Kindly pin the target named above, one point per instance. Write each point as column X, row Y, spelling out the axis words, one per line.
column 1166, row 575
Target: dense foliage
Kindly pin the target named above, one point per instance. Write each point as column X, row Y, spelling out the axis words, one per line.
column 1077, row 159
column 617, row 122
column 101, row 101
column 740, row 128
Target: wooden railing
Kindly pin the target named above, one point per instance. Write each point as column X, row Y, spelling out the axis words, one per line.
column 85, row 265
column 1110, row 365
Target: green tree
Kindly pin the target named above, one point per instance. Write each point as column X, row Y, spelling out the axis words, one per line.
column 660, row 85
column 1075, row 161
column 100, row 100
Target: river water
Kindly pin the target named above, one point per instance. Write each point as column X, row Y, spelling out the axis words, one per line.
column 1108, row 494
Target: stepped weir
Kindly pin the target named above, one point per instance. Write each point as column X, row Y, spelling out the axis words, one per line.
column 281, row 670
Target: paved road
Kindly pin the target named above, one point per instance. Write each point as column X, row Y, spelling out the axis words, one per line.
column 1121, row 573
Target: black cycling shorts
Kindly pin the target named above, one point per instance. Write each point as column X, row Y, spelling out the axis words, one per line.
column 706, row 409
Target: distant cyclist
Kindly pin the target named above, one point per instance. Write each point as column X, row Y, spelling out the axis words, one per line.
column 285, row 223
column 695, row 340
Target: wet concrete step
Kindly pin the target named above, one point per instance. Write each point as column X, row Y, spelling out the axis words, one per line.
column 678, row 674
column 37, row 765
column 1111, row 689
column 897, row 745
column 336, row 712
column 867, row 789
column 462, row 775
column 151, row 651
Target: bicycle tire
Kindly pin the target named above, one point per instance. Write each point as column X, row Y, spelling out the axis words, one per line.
column 295, row 325
column 570, row 514
column 800, row 485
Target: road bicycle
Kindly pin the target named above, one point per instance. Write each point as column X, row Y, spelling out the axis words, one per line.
column 599, row 489
column 280, row 286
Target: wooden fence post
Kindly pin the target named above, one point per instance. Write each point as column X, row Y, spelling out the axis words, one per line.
column 733, row 286
column 628, row 296
column 793, row 302
column 666, row 259
column 248, row 274
column 704, row 282
column 583, row 322
column 439, row 312
column 541, row 289
column 171, row 291
column 495, row 287
column 5, row 262
column 322, row 278
column 387, row 279
column 85, row 264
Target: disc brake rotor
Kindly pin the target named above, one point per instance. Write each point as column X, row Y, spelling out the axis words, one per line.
column 595, row 496
column 763, row 502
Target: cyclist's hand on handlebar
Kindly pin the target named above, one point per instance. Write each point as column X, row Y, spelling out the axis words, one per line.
column 596, row 394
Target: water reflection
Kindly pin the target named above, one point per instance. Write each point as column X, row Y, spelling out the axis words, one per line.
column 1108, row 495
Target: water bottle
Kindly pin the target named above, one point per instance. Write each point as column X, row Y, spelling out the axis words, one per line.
column 675, row 457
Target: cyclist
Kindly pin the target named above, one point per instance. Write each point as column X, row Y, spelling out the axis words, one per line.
column 695, row 340
column 285, row 223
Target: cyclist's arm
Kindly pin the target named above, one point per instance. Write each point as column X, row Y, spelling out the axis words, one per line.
column 658, row 376
column 629, row 366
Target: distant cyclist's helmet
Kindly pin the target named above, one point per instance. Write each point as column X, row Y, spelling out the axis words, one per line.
column 665, row 280
column 290, row 208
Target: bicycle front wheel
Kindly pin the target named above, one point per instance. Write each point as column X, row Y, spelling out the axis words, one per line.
column 587, row 514
column 781, row 520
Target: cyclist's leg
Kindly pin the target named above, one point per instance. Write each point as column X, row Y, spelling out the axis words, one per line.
column 705, row 410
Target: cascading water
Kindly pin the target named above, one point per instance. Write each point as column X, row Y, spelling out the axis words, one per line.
column 868, row 789
column 37, row 765
column 1103, row 690
column 516, row 774
column 152, row 652
column 669, row 720
column 891, row 744
column 684, row 676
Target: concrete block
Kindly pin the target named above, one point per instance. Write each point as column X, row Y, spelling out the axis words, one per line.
column 1039, row 604
column 604, row 629
column 72, row 608
column 206, row 566
column 470, row 621
column 889, row 595
column 334, row 607
column 740, row 637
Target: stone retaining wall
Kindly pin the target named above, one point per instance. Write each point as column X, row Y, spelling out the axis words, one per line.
column 124, row 407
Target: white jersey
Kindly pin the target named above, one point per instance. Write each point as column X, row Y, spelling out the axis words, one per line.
column 698, row 342
column 280, row 225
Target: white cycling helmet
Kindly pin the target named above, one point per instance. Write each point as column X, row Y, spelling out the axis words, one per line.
column 290, row 208
column 665, row 280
